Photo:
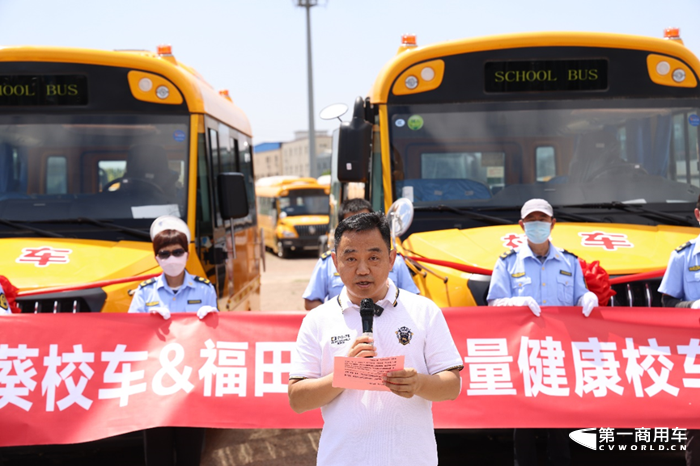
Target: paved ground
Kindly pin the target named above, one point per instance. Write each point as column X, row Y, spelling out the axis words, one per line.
column 284, row 281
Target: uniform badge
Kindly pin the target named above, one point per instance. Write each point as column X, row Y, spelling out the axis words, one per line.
column 3, row 301
column 404, row 335
column 694, row 268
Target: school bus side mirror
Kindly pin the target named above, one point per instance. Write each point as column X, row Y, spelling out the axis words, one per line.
column 233, row 198
column 355, row 146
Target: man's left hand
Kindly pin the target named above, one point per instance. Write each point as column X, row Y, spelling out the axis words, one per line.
column 405, row 382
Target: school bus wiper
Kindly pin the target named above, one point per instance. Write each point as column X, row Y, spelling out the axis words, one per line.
column 465, row 212
column 39, row 231
column 105, row 225
column 636, row 209
column 558, row 214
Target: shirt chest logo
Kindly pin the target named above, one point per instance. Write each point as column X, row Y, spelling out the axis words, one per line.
column 404, row 335
column 153, row 303
column 194, row 301
column 694, row 268
column 340, row 339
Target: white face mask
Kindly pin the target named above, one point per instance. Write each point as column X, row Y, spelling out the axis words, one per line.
column 173, row 266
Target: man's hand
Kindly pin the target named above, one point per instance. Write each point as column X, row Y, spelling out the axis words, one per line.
column 405, row 382
column 588, row 301
column 164, row 312
column 362, row 347
column 523, row 301
column 695, row 305
column 205, row 310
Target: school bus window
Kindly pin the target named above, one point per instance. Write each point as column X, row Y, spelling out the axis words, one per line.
column 545, row 163
column 110, row 170
column 56, row 175
column 215, row 169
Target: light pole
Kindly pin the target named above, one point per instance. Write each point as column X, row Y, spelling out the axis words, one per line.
column 308, row 4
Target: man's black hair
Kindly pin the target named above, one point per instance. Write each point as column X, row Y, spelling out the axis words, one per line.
column 353, row 206
column 365, row 222
column 697, row 204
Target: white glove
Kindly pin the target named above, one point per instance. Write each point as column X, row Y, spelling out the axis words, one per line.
column 204, row 310
column 588, row 301
column 164, row 312
column 4, row 312
column 695, row 305
column 519, row 301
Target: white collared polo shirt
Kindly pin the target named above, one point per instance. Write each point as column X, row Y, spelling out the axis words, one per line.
column 372, row 427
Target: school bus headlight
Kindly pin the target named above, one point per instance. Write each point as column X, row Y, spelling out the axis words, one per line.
column 288, row 234
column 162, row 92
column 427, row 73
column 411, row 82
column 145, row 84
column 679, row 75
column 663, row 67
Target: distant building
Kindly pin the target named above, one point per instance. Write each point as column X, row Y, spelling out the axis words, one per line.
column 267, row 158
column 295, row 154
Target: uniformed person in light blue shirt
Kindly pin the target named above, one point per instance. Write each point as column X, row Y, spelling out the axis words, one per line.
column 680, row 287
column 175, row 290
column 533, row 275
column 539, row 274
column 325, row 282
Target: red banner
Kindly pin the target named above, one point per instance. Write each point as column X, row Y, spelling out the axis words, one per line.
column 69, row 378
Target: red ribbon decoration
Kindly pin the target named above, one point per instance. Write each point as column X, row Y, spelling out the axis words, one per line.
column 10, row 293
column 85, row 286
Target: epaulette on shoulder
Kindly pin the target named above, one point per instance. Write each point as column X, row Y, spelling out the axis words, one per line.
column 507, row 253
column 326, row 255
column 569, row 253
column 150, row 281
column 202, row 280
column 683, row 246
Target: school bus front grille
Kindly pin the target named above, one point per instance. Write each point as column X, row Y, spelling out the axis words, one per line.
column 311, row 231
column 90, row 300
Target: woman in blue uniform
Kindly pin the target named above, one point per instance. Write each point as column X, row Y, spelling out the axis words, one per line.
column 175, row 290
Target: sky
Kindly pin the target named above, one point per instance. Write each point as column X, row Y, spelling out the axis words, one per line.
column 257, row 48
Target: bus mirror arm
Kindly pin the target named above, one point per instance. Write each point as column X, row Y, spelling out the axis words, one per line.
column 355, row 146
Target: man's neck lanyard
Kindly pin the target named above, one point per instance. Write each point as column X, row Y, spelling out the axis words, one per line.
column 377, row 308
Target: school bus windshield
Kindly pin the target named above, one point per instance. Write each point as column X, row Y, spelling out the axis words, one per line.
column 642, row 151
column 305, row 202
column 127, row 169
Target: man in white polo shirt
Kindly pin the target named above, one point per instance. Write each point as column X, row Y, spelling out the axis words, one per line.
column 374, row 427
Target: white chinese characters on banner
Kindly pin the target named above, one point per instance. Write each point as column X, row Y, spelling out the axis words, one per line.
column 53, row 378
column 543, row 369
column 16, row 372
column 596, row 367
column 635, row 371
column 489, row 367
column 691, row 350
column 278, row 351
column 225, row 366
column 126, row 377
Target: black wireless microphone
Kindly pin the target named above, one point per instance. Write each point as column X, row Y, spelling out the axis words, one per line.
column 367, row 314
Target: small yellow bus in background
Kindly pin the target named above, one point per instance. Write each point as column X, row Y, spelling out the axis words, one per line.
column 94, row 145
column 603, row 126
column 293, row 213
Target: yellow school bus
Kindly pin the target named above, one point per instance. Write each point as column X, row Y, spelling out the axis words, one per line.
column 293, row 213
column 96, row 144
column 603, row 126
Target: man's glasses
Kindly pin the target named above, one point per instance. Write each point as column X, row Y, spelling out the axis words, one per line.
column 165, row 254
